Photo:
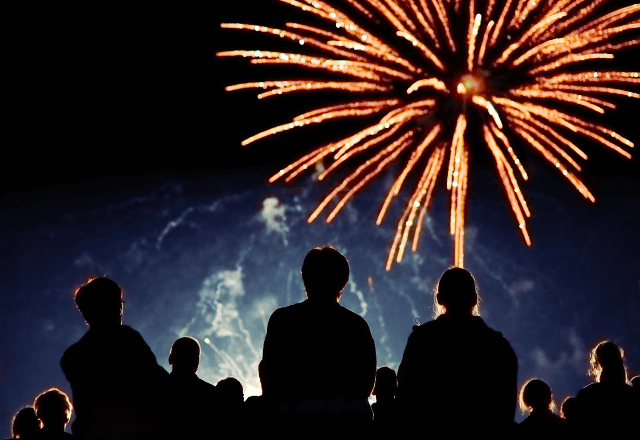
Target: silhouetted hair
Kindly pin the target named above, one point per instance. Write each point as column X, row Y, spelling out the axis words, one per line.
column 185, row 352
column 99, row 298
column 568, row 409
column 325, row 272
column 386, row 382
column 607, row 364
column 456, row 292
column 230, row 390
column 52, row 407
column 25, row 423
column 535, row 394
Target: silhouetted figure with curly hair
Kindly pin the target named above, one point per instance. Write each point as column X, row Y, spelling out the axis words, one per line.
column 608, row 407
column 114, row 377
column 190, row 402
column 319, row 358
column 433, row 378
column 542, row 423
column 26, row 424
column 54, row 409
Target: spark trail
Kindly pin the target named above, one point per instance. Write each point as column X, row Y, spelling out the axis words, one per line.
column 516, row 70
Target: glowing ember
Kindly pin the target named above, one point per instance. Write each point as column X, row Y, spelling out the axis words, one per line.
column 513, row 61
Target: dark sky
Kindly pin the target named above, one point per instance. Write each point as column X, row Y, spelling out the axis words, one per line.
column 107, row 100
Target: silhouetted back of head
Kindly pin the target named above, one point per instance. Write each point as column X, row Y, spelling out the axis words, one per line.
column 185, row 354
column 25, row 423
column 325, row 272
column 386, row 383
column 535, row 395
column 569, row 408
column 53, row 408
column 100, row 301
column 230, row 391
column 456, row 292
column 607, row 364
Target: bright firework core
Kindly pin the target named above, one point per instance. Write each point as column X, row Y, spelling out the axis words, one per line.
column 536, row 55
column 470, row 84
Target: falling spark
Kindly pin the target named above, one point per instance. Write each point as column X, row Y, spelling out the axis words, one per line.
column 419, row 57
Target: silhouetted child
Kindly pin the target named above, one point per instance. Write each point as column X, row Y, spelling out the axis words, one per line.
column 440, row 356
column 542, row 423
column 608, row 407
column 319, row 358
column 569, row 411
column 635, row 383
column 54, row 409
column 384, row 409
column 115, row 379
column 26, row 424
column 190, row 401
column 231, row 395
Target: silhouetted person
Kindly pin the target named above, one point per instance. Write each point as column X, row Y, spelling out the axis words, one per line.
column 26, row 424
column 231, row 395
column 570, row 412
column 384, row 409
column 635, row 383
column 608, row 407
column 542, row 423
column 318, row 356
column 114, row 376
column 440, row 356
column 190, row 401
column 54, row 409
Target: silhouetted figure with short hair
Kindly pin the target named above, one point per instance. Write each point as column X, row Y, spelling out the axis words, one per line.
column 319, row 357
column 115, row 379
column 54, row 409
column 231, row 395
column 191, row 402
column 635, row 383
column 26, row 424
column 440, row 356
column 542, row 423
column 608, row 407
column 569, row 411
column 384, row 409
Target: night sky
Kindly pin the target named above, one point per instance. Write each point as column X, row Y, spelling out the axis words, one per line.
column 123, row 158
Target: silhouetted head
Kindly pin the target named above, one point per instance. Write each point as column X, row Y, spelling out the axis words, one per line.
column 456, row 293
column 53, row 408
column 325, row 272
column 100, row 301
column 185, row 354
column 569, row 408
column 607, row 364
column 635, row 383
column 26, row 424
column 535, row 395
column 386, row 383
column 230, row 391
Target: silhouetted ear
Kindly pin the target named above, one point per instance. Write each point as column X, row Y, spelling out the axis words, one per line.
column 171, row 359
column 439, row 299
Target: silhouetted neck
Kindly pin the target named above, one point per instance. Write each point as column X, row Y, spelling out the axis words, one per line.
column 183, row 372
column 322, row 302
column 105, row 328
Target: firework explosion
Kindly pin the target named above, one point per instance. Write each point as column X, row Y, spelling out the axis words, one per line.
column 506, row 68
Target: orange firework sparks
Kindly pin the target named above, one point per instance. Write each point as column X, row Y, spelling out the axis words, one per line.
column 404, row 62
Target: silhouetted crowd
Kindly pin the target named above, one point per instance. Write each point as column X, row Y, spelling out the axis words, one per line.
column 457, row 378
